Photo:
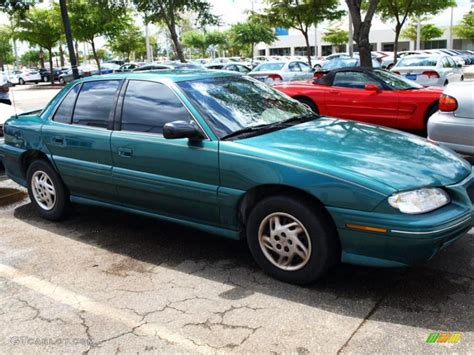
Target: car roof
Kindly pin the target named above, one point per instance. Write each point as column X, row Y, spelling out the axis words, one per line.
column 164, row 74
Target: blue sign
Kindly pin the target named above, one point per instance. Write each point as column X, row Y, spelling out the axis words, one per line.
column 280, row 31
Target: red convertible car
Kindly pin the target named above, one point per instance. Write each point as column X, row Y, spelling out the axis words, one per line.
column 368, row 95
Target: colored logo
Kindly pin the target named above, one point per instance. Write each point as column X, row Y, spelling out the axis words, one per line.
column 450, row 338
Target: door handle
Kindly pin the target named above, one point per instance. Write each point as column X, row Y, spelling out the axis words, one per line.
column 58, row 140
column 125, row 152
column 334, row 92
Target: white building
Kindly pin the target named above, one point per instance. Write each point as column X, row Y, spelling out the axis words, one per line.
column 382, row 39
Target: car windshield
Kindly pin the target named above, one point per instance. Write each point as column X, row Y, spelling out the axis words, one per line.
column 396, row 82
column 340, row 63
column 232, row 103
column 410, row 61
column 269, row 67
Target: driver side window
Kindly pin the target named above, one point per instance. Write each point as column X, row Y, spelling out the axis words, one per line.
column 148, row 106
column 353, row 80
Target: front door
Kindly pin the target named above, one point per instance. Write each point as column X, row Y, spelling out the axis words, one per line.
column 347, row 98
column 78, row 138
column 179, row 177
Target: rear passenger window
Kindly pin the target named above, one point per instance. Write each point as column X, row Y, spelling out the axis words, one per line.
column 95, row 103
column 147, row 106
column 65, row 110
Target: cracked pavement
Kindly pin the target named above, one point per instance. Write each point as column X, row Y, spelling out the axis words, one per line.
column 108, row 282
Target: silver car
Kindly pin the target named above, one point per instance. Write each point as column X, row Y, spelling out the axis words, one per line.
column 429, row 70
column 453, row 124
column 277, row 71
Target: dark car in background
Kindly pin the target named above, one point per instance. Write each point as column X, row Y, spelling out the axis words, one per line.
column 46, row 74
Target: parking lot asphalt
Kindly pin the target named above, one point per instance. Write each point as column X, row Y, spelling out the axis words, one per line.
column 104, row 281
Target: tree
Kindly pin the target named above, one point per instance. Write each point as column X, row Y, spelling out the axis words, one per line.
column 31, row 57
column 465, row 29
column 252, row 32
column 362, row 27
column 94, row 18
column 126, row 42
column 171, row 12
column 216, row 38
column 427, row 32
column 301, row 15
column 401, row 10
column 41, row 26
column 6, row 49
column 336, row 37
column 195, row 40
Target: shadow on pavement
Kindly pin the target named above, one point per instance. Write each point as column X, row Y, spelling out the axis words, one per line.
column 418, row 297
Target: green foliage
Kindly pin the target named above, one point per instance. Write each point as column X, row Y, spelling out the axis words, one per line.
column 172, row 13
column 6, row 51
column 195, row 40
column 336, row 36
column 465, row 29
column 400, row 10
column 129, row 41
column 32, row 57
column 427, row 32
column 100, row 54
column 250, row 33
column 301, row 14
column 42, row 27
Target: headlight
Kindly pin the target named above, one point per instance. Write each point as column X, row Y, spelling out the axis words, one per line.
column 419, row 201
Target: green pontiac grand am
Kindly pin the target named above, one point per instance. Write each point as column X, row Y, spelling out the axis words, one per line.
column 232, row 156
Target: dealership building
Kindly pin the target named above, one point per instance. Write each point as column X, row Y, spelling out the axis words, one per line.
column 382, row 36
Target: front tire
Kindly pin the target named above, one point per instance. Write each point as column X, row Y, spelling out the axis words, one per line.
column 292, row 241
column 47, row 191
column 21, row 81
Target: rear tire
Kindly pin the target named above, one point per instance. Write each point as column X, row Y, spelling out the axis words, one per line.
column 446, row 82
column 292, row 241
column 21, row 81
column 462, row 78
column 47, row 191
column 309, row 103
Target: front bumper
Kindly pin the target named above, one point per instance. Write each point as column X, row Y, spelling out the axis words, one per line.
column 409, row 239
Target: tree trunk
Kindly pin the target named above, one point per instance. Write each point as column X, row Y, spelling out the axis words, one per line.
column 252, row 49
column 61, row 55
column 177, row 45
column 95, row 55
column 308, row 48
column 398, row 29
column 2, row 65
column 51, row 76
column 77, row 54
column 41, row 56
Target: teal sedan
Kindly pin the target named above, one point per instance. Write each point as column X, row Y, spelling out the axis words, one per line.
column 232, row 156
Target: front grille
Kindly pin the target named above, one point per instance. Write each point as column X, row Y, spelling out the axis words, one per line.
column 470, row 192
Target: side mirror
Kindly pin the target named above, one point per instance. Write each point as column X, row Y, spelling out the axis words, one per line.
column 372, row 87
column 181, row 129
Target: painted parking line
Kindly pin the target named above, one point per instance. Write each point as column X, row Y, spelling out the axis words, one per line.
column 83, row 303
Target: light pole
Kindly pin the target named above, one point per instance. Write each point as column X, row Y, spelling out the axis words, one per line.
column 450, row 44
column 351, row 35
column 70, row 44
column 418, row 34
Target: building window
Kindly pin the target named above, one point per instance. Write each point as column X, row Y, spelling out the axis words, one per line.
column 326, row 50
column 303, row 51
column 441, row 43
column 280, row 51
column 261, row 52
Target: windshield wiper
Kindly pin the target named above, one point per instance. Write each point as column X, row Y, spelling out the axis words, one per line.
column 271, row 126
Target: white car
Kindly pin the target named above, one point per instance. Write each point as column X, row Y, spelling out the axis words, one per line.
column 24, row 76
column 429, row 70
column 278, row 71
column 6, row 111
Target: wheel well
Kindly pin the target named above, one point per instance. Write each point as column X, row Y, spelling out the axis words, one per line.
column 28, row 157
column 298, row 97
column 258, row 193
column 428, row 112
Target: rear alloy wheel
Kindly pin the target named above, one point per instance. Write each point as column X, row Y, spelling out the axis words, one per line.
column 61, row 81
column 309, row 103
column 21, row 81
column 47, row 192
column 291, row 241
column 45, row 79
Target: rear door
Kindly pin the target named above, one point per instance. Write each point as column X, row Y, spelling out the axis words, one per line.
column 179, row 177
column 347, row 98
column 78, row 137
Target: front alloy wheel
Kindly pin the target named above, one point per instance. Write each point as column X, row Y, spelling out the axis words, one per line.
column 292, row 239
column 284, row 241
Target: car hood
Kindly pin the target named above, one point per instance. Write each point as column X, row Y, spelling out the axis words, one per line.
column 367, row 154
